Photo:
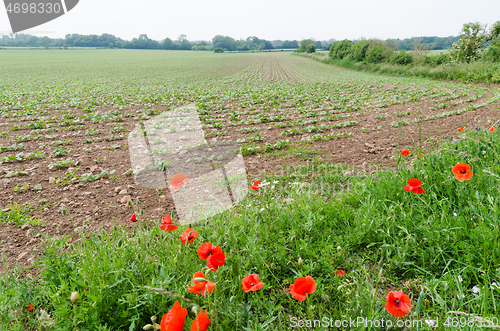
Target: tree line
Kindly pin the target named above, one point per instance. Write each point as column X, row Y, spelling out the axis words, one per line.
column 106, row 40
column 474, row 42
column 225, row 43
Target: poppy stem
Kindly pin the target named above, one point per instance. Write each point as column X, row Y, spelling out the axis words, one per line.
column 170, row 294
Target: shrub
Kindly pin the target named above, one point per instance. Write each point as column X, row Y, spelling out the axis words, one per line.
column 218, row 50
column 375, row 54
column 435, row 60
column 305, row 46
column 340, row 50
column 492, row 53
column 310, row 48
column 358, row 50
column 402, row 57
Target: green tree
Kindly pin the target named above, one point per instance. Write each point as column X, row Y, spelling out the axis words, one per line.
column 45, row 41
column 341, row 49
column 304, row 43
column 169, row 44
column 472, row 37
column 375, row 53
column 358, row 50
column 402, row 57
column 311, row 48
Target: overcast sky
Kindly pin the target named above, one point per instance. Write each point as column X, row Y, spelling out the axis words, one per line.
column 267, row 19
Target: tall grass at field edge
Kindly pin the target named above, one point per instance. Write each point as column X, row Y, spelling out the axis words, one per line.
column 312, row 220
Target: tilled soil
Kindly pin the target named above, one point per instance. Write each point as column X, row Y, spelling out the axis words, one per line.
column 102, row 204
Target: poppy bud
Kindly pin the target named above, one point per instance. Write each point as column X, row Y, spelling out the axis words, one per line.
column 200, row 279
column 300, row 261
column 148, row 327
column 194, row 310
column 74, row 297
column 153, row 319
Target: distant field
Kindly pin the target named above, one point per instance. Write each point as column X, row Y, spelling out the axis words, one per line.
column 438, row 51
column 319, row 135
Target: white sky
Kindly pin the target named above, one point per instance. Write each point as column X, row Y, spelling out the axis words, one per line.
column 267, row 19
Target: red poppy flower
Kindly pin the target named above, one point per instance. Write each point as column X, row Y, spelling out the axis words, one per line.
column 166, row 224
column 175, row 318
column 201, row 322
column 414, row 185
column 201, row 284
column 492, row 128
column 340, row 272
column 422, row 155
column 30, row 307
column 188, row 236
column 256, row 186
column 460, row 129
column 177, row 181
column 301, row 287
column 133, row 219
column 462, row 171
column 214, row 255
column 251, row 283
column 405, row 152
column 398, row 304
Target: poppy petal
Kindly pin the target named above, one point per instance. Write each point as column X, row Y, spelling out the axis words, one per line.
column 414, row 182
column 201, row 322
column 418, row 190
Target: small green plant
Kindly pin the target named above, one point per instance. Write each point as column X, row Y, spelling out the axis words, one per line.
column 100, row 160
column 60, row 151
column 16, row 173
column 62, row 164
column 23, row 188
column 89, row 177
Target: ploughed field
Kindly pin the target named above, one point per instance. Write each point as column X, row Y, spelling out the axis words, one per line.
column 65, row 118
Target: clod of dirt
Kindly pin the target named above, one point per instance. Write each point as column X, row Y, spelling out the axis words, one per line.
column 52, row 180
column 123, row 192
column 126, row 199
column 118, row 189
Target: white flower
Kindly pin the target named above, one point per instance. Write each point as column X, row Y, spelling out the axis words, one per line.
column 339, row 248
column 455, row 214
column 460, row 279
column 484, row 152
column 262, row 209
column 430, row 322
column 461, row 296
column 275, row 182
column 475, row 289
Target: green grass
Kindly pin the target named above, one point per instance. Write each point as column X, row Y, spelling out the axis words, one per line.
column 18, row 215
column 366, row 225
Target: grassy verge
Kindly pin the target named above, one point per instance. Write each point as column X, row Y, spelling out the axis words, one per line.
column 476, row 72
column 313, row 220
